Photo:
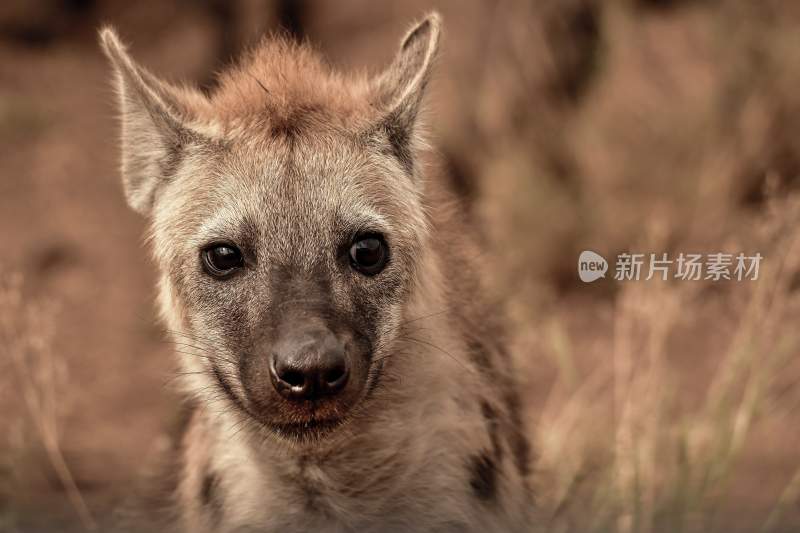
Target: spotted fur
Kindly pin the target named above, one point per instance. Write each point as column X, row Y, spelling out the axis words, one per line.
column 289, row 160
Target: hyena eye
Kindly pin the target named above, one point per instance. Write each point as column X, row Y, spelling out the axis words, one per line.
column 369, row 254
column 220, row 260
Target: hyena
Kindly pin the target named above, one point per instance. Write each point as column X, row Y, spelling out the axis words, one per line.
column 343, row 370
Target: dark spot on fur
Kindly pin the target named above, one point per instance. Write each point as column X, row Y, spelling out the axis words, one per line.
column 210, row 496
column 485, row 345
column 576, row 32
column 483, row 476
column 479, row 353
column 514, row 428
column 520, row 447
column 186, row 413
column 207, row 491
column 493, row 427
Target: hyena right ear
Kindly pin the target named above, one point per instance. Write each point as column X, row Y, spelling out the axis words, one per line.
column 155, row 119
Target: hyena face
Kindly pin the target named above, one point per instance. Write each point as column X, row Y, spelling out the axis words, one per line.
column 287, row 224
column 294, row 263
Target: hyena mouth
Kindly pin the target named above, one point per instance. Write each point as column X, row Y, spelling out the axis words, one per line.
column 305, row 423
column 312, row 429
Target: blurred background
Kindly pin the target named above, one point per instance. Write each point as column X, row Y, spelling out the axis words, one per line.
column 563, row 125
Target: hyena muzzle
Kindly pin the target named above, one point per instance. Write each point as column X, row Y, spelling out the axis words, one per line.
column 342, row 370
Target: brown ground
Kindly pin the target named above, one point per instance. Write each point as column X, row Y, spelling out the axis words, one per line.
column 565, row 125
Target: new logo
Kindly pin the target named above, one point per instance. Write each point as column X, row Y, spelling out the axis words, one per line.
column 591, row 266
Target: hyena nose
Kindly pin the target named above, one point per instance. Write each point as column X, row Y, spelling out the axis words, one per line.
column 309, row 366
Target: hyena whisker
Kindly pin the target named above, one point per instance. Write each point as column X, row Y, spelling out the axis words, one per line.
column 417, row 319
column 177, row 378
column 213, row 387
column 199, row 348
column 202, row 347
column 186, row 334
column 199, row 341
column 218, row 404
column 223, row 404
column 223, row 401
column 179, row 375
column 214, row 399
column 202, row 353
column 210, row 357
column 205, row 341
column 388, row 354
column 239, row 426
column 438, row 348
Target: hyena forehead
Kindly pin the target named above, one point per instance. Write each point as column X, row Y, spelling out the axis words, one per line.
column 280, row 197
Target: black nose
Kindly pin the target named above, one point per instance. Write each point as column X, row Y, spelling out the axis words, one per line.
column 309, row 366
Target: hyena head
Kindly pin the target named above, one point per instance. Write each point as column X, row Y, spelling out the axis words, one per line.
column 287, row 223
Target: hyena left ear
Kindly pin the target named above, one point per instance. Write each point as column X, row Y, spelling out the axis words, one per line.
column 154, row 124
column 399, row 90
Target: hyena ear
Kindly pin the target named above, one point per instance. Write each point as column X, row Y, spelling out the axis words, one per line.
column 154, row 124
column 399, row 90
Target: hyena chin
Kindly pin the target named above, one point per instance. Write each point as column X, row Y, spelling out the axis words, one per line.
column 341, row 370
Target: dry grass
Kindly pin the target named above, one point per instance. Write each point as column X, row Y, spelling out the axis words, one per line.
column 622, row 452
column 37, row 378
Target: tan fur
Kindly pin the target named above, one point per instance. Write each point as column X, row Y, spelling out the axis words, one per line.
column 281, row 79
column 287, row 155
